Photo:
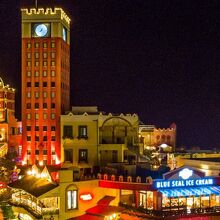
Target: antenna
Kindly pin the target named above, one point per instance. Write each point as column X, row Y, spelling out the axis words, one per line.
column 36, row 4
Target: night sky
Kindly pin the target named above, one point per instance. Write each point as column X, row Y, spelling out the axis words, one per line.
column 159, row 59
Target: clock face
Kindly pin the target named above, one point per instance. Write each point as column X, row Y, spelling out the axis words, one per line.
column 64, row 34
column 41, row 30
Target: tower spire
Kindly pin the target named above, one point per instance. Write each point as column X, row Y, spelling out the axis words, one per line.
column 36, row 4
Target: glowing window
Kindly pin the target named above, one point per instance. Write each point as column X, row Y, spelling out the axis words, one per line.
column 72, row 199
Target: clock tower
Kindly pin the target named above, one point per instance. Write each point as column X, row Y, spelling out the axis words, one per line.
column 45, row 83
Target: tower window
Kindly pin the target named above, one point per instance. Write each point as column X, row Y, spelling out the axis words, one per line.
column 45, row 63
column 28, row 94
column 44, row 128
column 37, row 45
column 53, row 45
column 52, row 105
column 52, row 115
column 45, row 94
column 28, row 73
column 28, row 45
column 36, row 138
column 52, row 95
column 29, row 63
column 44, row 84
column 52, row 84
column 53, row 138
column 44, row 55
column 28, row 116
column 53, row 73
column 28, row 128
column 28, row 84
column 45, row 45
column 44, row 105
column 28, row 55
column 36, row 105
column 45, row 115
column 36, row 84
column 36, row 74
column 52, row 63
column 53, row 128
column 53, row 55
column 28, row 105
column 36, row 95
column 28, row 138
column 36, row 128
column 37, row 63
column 36, row 116
column 36, row 55
column 44, row 73
column 45, row 138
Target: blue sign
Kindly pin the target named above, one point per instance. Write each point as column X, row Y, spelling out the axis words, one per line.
column 161, row 184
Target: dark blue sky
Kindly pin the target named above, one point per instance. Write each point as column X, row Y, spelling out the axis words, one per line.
column 159, row 59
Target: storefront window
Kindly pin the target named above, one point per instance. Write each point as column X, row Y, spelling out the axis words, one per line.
column 204, row 201
column 174, row 202
column 212, row 200
column 143, row 199
column 217, row 200
column 182, row 202
column 166, row 202
column 149, row 200
column 196, row 202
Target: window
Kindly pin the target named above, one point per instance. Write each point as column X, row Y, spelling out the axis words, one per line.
column 28, row 116
column 45, row 45
column 36, row 105
column 45, row 115
column 37, row 152
column 28, row 105
column 28, row 55
column 28, row 138
column 52, row 105
column 28, row 45
column 53, row 44
column 28, row 152
column 28, row 84
column 29, row 63
column 83, row 153
column 52, row 115
column 36, row 45
column 45, row 138
column 36, row 74
column 67, row 131
column 68, row 155
column 52, row 95
column 36, row 128
column 45, row 63
column 44, row 128
column 44, row 73
column 72, row 199
column 36, row 138
column 53, row 138
column 28, row 94
column 82, row 131
column 53, row 73
column 28, row 128
column 28, row 73
column 36, row 116
column 37, row 63
column 45, row 94
column 44, row 55
column 36, row 55
column 36, row 84
column 36, row 95
column 44, row 152
column 44, row 84
column 53, row 55
column 52, row 63
column 44, row 105
column 53, row 128
column 52, row 84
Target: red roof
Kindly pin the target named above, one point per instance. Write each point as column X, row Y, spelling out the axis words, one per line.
column 88, row 217
column 105, row 200
column 103, row 210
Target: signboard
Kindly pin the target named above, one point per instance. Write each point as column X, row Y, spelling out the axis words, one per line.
column 86, row 196
column 185, row 177
column 183, row 183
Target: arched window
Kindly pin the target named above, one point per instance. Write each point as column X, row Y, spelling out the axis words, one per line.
column 71, row 197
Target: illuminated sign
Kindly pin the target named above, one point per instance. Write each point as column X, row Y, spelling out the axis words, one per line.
column 182, row 183
column 185, row 173
column 86, row 197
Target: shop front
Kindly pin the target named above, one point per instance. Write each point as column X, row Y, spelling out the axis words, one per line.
column 186, row 189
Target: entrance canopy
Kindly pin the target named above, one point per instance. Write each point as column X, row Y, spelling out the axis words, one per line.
column 194, row 191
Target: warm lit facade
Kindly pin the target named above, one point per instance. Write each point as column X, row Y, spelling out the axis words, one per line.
column 10, row 128
column 45, row 82
column 93, row 138
column 152, row 137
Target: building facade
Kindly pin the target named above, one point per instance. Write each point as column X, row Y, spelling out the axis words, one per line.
column 45, row 82
column 10, row 128
column 152, row 137
column 90, row 137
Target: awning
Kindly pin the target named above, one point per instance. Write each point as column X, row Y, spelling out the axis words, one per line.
column 194, row 191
